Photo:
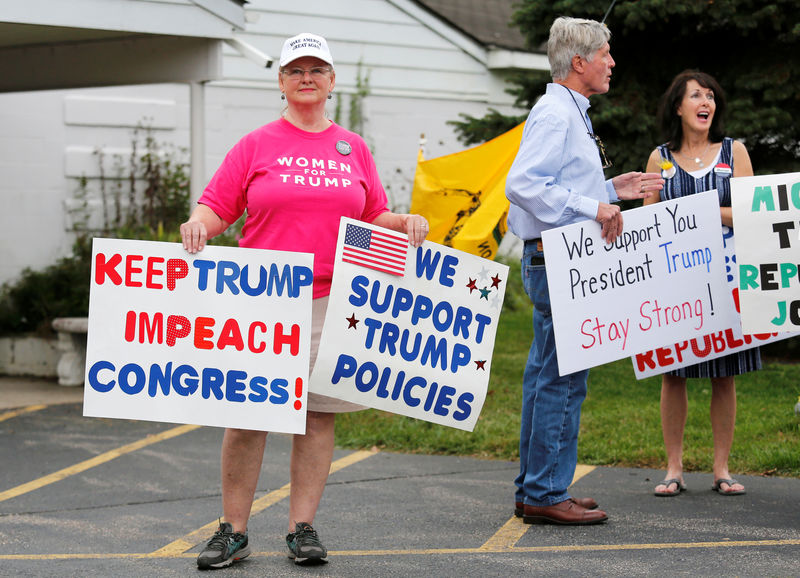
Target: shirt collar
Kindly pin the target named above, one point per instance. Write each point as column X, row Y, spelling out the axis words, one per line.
column 560, row 92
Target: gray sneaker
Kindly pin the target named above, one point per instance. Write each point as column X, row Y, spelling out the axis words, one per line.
column 304, row 545
column 224, row 548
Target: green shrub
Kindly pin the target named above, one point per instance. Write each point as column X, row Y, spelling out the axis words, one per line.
column 37, row 297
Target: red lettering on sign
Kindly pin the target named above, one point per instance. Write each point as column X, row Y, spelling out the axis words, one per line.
column 230, row 335
column 203, row 332
column 107, row 268
column 293, row 339
column 152, row 272
column 131, row 270
column 152, row 329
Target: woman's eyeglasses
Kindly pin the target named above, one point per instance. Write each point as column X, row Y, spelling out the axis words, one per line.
column 602, row 150
column 316, row 73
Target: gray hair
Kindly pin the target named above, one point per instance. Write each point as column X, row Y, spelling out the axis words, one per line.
column 571, row 36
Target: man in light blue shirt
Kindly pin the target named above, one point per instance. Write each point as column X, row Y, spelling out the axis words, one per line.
column 557, row 179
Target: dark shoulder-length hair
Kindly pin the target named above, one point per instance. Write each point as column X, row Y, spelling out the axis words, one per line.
column 671, row 100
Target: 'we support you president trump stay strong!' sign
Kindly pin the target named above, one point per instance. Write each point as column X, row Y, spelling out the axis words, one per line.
column 661, row 281
column 409, row 330
column 219, row 338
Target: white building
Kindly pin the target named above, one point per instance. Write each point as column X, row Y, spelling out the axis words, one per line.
column 81, row 75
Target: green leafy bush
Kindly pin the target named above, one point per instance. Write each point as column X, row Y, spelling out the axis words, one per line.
column 37, row 297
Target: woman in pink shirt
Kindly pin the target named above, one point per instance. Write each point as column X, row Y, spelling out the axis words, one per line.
column 296, row 177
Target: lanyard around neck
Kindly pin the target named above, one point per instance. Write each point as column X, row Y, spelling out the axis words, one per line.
column 600, row 148
column 583, row 115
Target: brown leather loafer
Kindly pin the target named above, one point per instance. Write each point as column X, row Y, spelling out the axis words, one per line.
column 588, row 503
column 569, row 512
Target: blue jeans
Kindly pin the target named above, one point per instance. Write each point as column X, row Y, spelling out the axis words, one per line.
column 551, row 404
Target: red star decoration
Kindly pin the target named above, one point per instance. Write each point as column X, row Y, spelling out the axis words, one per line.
column 352, row 321
column 496, row 281
column 480, row 364
column 471, row 285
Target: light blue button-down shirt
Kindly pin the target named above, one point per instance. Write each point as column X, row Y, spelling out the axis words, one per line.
column 557, row 177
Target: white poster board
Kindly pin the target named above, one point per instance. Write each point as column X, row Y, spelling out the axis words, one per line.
column 413, row 336
column 766, row 216
column 661, row 281
column 712, row 345
column 219, row 338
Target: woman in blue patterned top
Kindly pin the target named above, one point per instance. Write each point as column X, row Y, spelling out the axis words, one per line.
column 698, row 157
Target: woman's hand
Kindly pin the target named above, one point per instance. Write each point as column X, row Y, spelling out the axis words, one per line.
column 201, row 226
column 417, row 229
column 415, row 226
column 194, row 236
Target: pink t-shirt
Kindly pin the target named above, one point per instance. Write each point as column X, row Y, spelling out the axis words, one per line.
column 295, row 186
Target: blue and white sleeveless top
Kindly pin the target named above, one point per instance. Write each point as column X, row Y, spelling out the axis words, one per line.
column 682, row 184
column 717, row 176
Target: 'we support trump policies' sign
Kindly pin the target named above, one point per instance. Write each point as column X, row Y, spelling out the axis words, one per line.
column 409, row 330
column 766, row 215
column 219, row 338
column 661, row 281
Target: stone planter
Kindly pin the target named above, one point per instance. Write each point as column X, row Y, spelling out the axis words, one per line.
column 28, row 355
column 64, row 357
column 72, row 344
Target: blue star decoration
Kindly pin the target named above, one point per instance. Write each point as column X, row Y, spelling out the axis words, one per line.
column 352, row 321
column 480, row 364
column 485, row 293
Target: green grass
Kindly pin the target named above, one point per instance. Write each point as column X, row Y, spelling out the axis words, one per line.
column 620, row 422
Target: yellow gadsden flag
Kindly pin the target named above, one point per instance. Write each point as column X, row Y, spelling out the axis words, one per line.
column 463, row 195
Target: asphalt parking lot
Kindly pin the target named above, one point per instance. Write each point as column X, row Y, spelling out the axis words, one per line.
column 100, row 497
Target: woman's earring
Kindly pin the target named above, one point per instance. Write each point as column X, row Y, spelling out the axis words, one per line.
column 330, row 96
column 283, row 96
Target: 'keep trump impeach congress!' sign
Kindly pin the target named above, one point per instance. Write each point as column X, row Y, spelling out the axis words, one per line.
column 218, row 338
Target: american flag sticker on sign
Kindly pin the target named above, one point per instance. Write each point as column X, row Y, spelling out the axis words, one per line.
column 382, row 251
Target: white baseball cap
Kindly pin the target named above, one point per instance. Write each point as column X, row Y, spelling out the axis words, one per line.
column 305, row 44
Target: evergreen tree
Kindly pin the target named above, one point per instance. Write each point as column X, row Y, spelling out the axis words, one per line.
column 751, row 47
